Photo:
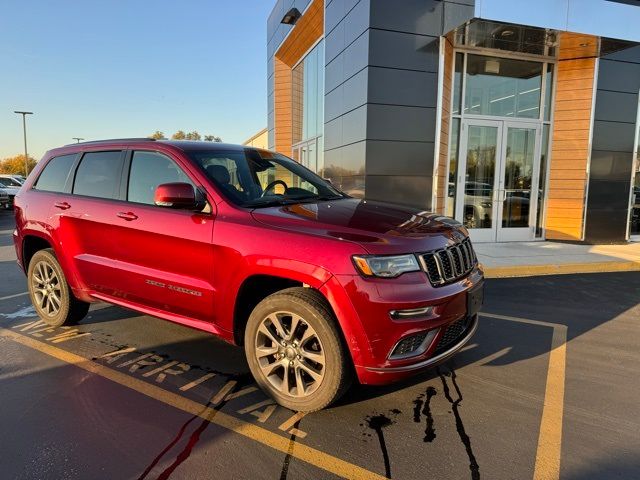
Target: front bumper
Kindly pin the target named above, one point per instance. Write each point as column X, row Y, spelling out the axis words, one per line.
column 375, row 301
column 374, row 375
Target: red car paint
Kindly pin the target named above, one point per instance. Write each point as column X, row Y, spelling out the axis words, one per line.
column 188, row 267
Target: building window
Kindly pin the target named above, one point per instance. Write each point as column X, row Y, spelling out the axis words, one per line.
column 634, row 217
column 308, row 109
column 502, row 87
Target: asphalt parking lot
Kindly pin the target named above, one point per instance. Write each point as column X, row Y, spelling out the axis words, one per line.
column 548, row 388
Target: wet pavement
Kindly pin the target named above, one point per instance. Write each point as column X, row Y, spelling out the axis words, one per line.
column 124, row 395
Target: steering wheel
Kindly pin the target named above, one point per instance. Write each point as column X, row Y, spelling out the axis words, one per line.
column 272, row 185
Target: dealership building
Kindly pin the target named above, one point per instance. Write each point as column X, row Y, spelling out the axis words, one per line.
column 517, row 118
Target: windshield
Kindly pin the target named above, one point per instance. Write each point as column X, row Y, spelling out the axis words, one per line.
column 9, row 182
column 252, row 178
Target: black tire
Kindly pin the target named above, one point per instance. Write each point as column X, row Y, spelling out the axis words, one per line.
column 314, row 312
column 69, row 309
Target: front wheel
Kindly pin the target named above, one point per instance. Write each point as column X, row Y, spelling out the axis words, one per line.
column 295, row 352
column 50, row 294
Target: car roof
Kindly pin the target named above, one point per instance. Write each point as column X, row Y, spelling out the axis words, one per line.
column 184, row 145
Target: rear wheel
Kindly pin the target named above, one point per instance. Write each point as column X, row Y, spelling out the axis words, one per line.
column 50, row 293
column 295, row 352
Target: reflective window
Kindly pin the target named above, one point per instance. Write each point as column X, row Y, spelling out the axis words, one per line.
column 148, row 170
column 54, row 176
column 99, row 175
column 634, row 227
column 502, row 87
column 457, row 84
column 308, row 106
column 482, row 143
column 450, row 206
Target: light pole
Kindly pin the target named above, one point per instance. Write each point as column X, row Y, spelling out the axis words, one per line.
column 24, row 130
column 77, row 139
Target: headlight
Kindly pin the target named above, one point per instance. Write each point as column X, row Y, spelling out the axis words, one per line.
column 387, row 266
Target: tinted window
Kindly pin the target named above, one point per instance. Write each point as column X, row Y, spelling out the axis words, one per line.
column 98, row 175
column 148, row 170
column 55, row 173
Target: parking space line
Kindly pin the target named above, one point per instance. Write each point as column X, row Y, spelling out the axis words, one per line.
column 548, row 452
column 310, row 455
column 8, row 297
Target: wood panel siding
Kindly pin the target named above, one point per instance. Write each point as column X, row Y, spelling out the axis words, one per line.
column 306, row 32
column 441, row 182
column 573, row 110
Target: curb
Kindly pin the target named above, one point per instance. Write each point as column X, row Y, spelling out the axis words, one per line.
column 562, row 269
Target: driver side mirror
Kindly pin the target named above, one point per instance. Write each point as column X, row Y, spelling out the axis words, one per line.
column 176, row 195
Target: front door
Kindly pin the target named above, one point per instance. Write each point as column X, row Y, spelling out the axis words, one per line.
column 498, row 179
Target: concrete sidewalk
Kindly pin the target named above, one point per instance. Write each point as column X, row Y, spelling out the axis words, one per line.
column 523, row 259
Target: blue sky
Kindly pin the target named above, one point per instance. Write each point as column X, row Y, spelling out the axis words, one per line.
column 101, row 69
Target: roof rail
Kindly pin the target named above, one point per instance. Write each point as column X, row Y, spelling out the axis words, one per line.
column 115, row 140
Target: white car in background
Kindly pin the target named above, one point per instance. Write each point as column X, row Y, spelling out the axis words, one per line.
column 9, row 186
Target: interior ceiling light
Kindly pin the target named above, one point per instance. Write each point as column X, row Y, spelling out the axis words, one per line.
column 291, row 17
column 492, row 66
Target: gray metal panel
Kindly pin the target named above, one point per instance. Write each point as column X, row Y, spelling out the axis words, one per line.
column 350, row 159
column 402, row 87
column 618, row 76
column 348, row 96
column 333, row 134
column 616, row 106
column 409, row 124
column 354, row 125
column 399, row 158
column 422, row 17
column 456, row 15
column 403, row 50
column 614, row 136
column 334, row 73
column 406, row 190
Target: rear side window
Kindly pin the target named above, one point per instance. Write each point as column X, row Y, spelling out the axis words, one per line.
column 54, row 176
column 148, row 170
column 99, row 175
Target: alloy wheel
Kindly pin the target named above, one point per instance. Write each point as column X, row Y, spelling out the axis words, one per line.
column 47, row 289
column 290, row 354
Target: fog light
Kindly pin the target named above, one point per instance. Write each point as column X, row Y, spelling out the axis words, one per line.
column 413, row 345
column 411, row 313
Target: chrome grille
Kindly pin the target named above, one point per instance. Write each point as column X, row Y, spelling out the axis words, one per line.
column 449, row 264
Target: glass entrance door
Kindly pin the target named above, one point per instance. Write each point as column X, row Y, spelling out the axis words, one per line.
column 498, row 179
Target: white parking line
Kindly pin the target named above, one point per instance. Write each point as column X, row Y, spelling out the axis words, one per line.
column 13, row 296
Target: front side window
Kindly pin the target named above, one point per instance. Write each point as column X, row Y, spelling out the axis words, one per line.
column 254, row 179
column 54, row 176
column 98, row 175
column 148, row 170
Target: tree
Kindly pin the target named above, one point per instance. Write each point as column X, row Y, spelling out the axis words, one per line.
column 15, row 165
column 158, row 135
column 181, row 135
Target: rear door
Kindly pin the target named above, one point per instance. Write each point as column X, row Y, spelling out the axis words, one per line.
column 165, row 254
column 85, row 219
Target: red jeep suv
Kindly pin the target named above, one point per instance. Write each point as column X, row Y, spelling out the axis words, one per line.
column 251, row 246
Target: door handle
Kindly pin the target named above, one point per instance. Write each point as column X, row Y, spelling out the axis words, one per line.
column 62, row 205
column 128, row 216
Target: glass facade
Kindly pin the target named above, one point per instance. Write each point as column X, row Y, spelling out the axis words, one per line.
column 499, row 139
column 502, row 87
column 634, row 217
column 308, row 109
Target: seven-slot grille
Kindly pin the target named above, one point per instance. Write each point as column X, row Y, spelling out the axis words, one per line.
column 449, row 264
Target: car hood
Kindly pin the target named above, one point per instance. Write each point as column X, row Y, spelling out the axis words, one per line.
column 10, row 190
column 380, row 228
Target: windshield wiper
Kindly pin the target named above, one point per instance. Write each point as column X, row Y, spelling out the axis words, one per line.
column 268, row 202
